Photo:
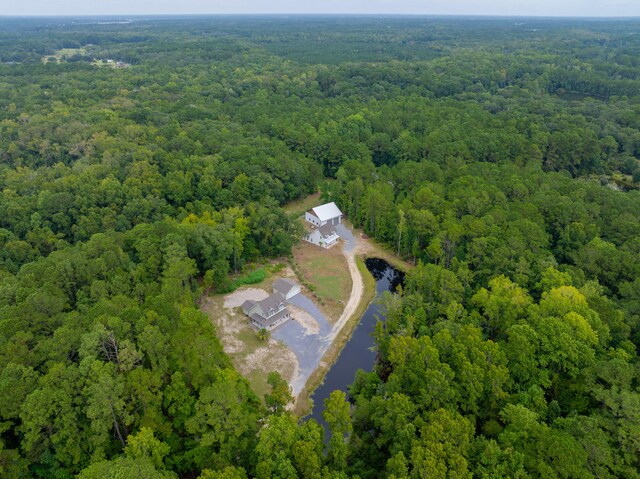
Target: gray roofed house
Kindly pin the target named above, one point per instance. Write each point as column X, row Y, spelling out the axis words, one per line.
column 324, row 236
column 248, row 304
column 269, row 313
column 286, row 288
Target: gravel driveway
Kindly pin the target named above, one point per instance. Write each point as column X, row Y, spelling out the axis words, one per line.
column 349, row 242
column 309, row 348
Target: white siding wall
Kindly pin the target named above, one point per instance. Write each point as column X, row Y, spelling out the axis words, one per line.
column 314, row 220
column 279, row 322
column 314, row 237
column 295, row 290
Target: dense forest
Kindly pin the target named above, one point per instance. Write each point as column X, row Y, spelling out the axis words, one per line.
column 144, row 160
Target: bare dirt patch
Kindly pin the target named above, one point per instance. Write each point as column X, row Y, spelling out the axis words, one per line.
column 252, row 357
column 257, row 363
column 238, row 297
column 307, row 321
column 264, row 359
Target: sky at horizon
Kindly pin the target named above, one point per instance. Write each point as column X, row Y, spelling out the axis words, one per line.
column 562, row 8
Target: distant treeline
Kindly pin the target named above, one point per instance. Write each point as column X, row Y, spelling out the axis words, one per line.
column 477, row 149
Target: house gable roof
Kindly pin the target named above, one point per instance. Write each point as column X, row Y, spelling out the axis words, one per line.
column 272, row 304
column 248, row 305
column 268, row 322
column 326, row 230
column 266, row 308
column 283, row 286
column 327, row 211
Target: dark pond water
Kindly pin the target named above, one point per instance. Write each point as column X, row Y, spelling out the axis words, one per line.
column 358, row 353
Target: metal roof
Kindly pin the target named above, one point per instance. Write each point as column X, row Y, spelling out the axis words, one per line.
column 327, row 211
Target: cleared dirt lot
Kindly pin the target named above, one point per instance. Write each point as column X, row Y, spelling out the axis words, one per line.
column 297, row 348
column 294, row 349
column 251, row 356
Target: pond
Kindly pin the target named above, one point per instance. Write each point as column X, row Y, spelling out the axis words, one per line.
column 358, row 352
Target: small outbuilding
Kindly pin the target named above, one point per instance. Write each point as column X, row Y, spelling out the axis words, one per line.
column 286, row 288
column 321, row 215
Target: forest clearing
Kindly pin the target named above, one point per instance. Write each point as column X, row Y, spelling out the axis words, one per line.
column 337, row 292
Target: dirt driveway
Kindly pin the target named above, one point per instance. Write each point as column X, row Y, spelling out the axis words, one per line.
column 349, row 248
column 311, row 346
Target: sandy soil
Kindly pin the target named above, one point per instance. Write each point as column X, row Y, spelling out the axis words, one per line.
column 364, row 246
column 232, row 327
column 305, row 319
column 239, row 296
column 228, row 328
column 271, row 357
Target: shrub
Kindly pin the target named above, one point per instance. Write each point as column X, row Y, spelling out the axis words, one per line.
column 253, row 277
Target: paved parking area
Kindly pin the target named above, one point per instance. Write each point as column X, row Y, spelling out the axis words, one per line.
column 302, row 301
column 308, row 348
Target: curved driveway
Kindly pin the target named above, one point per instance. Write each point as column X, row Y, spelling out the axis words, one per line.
column 309, row 348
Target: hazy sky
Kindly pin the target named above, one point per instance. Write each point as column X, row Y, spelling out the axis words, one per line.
column 434, row 7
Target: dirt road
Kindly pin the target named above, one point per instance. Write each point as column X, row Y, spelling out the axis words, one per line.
column 349, row 250
column 355, row 298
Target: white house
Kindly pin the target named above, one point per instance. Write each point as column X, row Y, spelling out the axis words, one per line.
column 286, row 288
column 324, row 214
column 268, row 313
column 324, row 236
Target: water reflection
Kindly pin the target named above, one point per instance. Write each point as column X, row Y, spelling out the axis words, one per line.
column 358, row 352
column 384, row 272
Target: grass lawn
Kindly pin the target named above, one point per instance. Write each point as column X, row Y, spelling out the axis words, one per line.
column 299, row 207
column 304, row 404
column 250, row 339
column 258, row 381
column 69, row 52
column 328, row 272
column 374, row 249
